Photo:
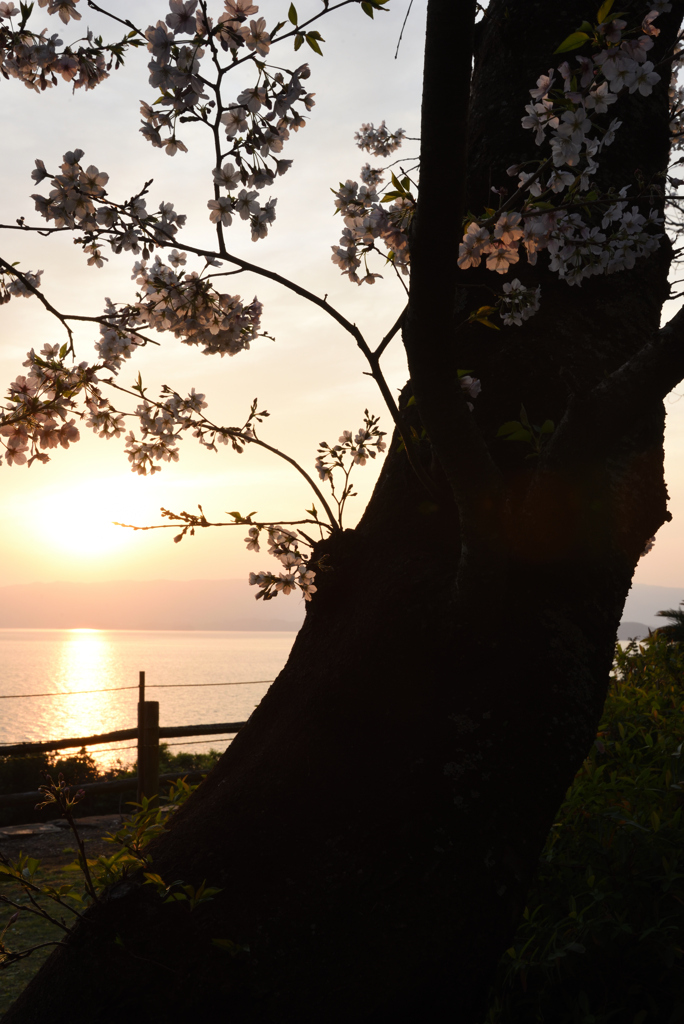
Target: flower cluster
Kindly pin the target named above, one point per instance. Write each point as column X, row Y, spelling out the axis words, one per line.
column 518, row 303
column 576, row 249
column 379, row 141
column 616, row 234
column 174, row 71
column 116, row 342
column 37, row 58
column 38, row 401
column 190, row 307
column 351, row 450
column 260, row 121
column 364, row 445
column 74, row 192
column 103, row 419
column 256, row 125
column 284, row 546
column 78, row 199
column 162, row 424
column 366, row 223
column 142, row 454
column 13, row 284
column 244, row 204
column 368, row 220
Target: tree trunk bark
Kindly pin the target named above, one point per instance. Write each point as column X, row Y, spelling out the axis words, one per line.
column 375, row 826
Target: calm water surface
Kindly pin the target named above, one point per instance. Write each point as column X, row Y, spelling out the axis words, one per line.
column 61, row 661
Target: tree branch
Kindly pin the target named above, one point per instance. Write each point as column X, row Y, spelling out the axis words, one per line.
column 611, row 407
column 245, row 440
column 390, row 334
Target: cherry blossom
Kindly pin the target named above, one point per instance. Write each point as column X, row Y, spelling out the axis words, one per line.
column 351, row 450
column 285, row 547
column 579, row 244
column 518, row 303
column 66, row 9
column 182, row 17
column 549, row 212
column 379, row 141
column 187, row 305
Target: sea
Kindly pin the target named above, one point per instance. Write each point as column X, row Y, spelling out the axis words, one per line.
column 197, row 677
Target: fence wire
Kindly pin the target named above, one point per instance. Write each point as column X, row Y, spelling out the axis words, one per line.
column 148, row 686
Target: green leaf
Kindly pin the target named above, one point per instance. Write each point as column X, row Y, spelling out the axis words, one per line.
column 367, row 8
column 299, row 39
column 587, row 27
column 313, row 43
column 573, row 42
column 230, row 947
column 508, row 428
column 604, row 11
column 520, row 435
column 480, row 316
column 63, row 350
column 292, row 14
column 547, row 427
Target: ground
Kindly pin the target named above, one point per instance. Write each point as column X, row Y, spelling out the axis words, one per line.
column 54, row 846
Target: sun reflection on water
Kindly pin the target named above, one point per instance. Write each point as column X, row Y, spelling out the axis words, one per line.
column 55, row 666
column 84, row 662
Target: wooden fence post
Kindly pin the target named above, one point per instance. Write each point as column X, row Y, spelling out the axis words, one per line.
column 148, row 745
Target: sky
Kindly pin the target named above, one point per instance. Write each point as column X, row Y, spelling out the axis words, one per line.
column 56, row 520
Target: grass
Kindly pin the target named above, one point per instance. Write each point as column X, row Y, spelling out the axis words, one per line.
column 28, row 930
column 66, row 881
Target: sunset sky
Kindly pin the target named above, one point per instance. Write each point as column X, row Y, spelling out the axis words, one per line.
column 55, row 520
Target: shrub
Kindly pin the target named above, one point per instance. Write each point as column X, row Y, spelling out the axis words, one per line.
column 601, row 938
column 23, row 774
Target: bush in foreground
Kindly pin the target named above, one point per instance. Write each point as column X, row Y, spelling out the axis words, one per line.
column 23, row 775
column 602, row 935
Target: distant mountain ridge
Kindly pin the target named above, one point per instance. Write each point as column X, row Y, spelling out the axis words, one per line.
column 215, row 604
column 149, row 604
column 644, row 600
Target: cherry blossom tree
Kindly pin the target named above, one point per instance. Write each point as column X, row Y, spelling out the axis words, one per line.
column 374, row 827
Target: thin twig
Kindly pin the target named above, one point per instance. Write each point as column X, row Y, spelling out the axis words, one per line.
column 396, row 53
column 247, row 440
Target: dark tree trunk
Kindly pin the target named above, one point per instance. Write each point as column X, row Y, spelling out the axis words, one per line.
column 375, row 826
